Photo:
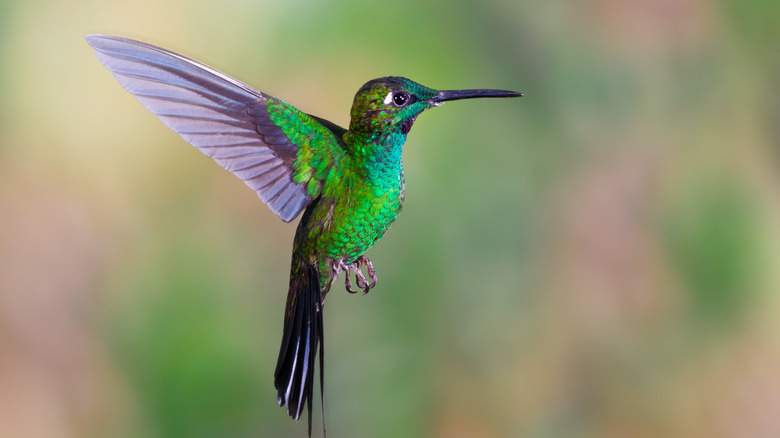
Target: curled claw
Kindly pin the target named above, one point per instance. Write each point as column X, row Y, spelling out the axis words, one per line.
column 348, row 282
column 363, row 284
column 370, row 268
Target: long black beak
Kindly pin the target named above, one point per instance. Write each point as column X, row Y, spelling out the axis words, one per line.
column 446, row 95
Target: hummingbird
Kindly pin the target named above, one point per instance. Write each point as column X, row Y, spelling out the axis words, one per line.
column 349, row 183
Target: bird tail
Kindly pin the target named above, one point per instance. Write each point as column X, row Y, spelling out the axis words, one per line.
column 303, row 334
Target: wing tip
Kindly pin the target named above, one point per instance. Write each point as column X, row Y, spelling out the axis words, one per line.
column 97, row 40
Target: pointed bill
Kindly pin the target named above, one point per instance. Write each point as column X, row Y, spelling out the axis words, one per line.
column 447, row 95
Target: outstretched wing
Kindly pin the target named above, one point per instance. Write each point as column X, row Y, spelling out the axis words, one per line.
column 280, row 152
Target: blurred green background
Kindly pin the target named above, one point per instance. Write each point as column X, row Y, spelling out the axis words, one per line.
column 596, row 259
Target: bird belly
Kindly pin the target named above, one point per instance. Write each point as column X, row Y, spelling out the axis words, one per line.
column 358, row 221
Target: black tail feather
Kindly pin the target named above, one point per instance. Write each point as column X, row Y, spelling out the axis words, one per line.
column 303, row 334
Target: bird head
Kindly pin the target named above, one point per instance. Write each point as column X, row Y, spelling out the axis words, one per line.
column 391, row 104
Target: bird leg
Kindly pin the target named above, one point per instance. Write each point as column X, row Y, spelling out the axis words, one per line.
column 363, row 284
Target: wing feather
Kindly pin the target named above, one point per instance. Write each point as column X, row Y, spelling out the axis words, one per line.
column 225, row 119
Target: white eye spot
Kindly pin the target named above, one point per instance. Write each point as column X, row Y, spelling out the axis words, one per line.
column 388, row 98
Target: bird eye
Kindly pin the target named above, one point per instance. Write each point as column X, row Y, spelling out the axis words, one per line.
column 400, row 98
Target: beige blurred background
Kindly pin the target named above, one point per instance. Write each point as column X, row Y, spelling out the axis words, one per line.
column 597, row 259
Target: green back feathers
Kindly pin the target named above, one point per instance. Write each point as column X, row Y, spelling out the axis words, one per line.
column 318, row 147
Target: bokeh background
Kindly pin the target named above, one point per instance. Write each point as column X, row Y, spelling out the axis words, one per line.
column 596, row 259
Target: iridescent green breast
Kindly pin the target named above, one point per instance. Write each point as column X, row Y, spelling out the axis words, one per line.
column 348, row 219
column 360, row 218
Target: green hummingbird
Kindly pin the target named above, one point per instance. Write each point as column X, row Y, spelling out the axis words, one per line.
column 349, row 183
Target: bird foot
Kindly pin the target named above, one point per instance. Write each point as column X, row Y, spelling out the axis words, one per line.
column 363, row 284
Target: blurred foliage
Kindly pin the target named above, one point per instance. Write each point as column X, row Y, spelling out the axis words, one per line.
column 593, row 260
column 714, row 243
column 196, row 380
